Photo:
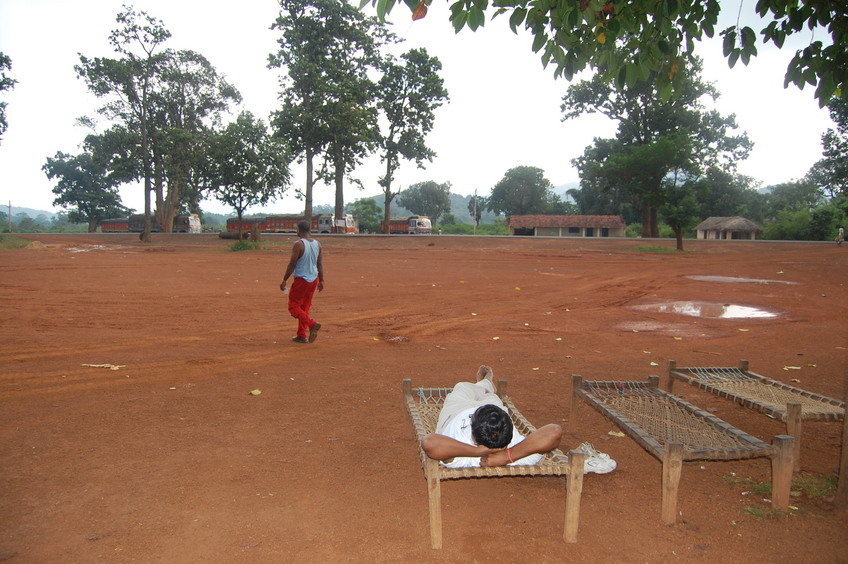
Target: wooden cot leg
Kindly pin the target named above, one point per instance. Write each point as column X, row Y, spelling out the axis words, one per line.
column 781, row 471
column 574, row 490
column 672, row 463
column 672, row 366
column 434, row 493
column 841, row 502
column 576, row 384
column 793, row 428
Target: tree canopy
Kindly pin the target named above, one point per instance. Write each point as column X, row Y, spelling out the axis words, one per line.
column 168, row 100
column 83, row 188
column 245, row 165
column 427, row 198
column 831, row 172
column 625, row 42
column 6, row 83
column 408, row 95
column 657, row 143
column 522, row 190
column 328, row 49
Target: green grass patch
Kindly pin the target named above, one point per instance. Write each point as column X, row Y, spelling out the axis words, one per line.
column 811, row 485
column 240, row 246
column 814, row 486
column 10, row 242
column 659, row 249
column 761, row 513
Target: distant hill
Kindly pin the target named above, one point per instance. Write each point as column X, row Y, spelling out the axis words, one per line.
column 29, row 212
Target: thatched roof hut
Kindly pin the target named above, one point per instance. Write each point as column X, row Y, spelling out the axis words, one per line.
column 727, row 228
column 567, row 225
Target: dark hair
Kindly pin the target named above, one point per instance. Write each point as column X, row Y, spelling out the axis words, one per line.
column 491, row 426
column 303, row 226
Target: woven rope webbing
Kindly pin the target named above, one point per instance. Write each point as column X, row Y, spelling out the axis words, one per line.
column 737, row 383
column 662, row 418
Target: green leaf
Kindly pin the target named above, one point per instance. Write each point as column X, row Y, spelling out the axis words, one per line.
column 621, row 78
column 573, row 18
column 632, row 74
column 539, row 41
column 749, row 38
column 729, row 43
column 733, row 58
column 458, row 20
column 476, row 18
column 517, row 18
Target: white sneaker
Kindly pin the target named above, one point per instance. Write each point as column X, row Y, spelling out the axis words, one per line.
column 596, row 462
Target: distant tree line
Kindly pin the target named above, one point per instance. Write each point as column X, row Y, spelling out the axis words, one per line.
column 671, row 163
column 343, row 96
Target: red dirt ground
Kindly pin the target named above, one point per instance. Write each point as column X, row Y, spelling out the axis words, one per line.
column 170, row 459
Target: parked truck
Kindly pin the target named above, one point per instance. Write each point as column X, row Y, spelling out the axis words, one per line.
column 413, row 225
column 135, row 224
column 287, row 223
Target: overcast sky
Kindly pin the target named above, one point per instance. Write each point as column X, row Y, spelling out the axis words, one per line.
column 504, row 108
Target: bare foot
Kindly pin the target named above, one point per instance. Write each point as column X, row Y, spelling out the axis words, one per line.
column 486, row 373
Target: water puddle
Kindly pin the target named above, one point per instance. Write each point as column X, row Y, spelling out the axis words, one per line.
column 709, row 310
column 732, row 280
column 90, row 248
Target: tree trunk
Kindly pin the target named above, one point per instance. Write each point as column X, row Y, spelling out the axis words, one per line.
column 646, row 222
column 146, row 165
column 92, row 225
column 169, row 208
column 678, row 232
column 339, row 173
column 310, row 182
column 387, row 212
column 655, row 227
column 387, row 200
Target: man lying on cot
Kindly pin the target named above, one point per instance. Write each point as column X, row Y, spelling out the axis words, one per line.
column 474, row 429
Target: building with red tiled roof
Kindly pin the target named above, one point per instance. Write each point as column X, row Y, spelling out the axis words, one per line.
column 567, row 225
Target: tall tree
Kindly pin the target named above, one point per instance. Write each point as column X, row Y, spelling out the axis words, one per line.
column 656, row 139
column 680, row 209
column 168, row 99
column 245, row 165
column 408, row 95
column 798, row 195
column 427, row 198
column 724, row 194
column 187, row 103
column 367, row 213
column 627, row 41
column 6, row 83
column 84, row 189
column 522, row 190
column 831, row 172
column 127, row 81
column 328, row 49
column 476, row 206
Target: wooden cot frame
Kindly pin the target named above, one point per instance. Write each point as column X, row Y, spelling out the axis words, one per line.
column 555, row 463
column 672, row 454
column 792, row 414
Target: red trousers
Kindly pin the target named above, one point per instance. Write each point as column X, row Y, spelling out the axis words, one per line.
column 300, row 302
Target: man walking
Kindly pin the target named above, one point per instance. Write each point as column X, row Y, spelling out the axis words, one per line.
column 305, row 265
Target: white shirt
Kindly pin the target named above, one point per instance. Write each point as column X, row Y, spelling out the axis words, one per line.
column 459, row 428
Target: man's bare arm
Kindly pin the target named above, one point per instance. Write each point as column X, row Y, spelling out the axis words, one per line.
column 297, row 252
column 444, row 448
column 540, row 441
